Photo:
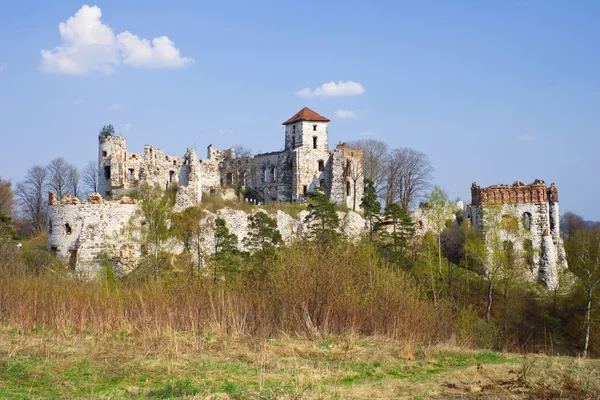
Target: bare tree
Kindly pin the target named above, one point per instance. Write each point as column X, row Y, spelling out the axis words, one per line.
column 375, row 154
column 30, row 194
column 74, row 180
column 6, row 198
column 571, row 223
column 89, row 177
column 59, row 174
column 408, row 176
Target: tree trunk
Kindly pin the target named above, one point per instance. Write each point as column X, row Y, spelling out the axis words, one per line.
column 488, row 311
column 440, row 254
column 588, row 310
column 354, row 196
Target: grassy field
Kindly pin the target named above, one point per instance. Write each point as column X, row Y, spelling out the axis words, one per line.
column 41, row 364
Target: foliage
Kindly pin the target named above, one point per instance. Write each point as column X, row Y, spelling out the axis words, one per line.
column 371, row 207
column 263, row 234
column 151, row 227
column 107, row 130
column 395, row 231
column 583, row 254
column 322, row 217
column 226, row 258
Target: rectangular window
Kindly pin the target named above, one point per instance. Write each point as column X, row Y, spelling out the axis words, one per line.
column 130, row 174
column 305, row 190
column 321, row 165
column 314, row 142
column 274, row 174
column 348, row 188
column 107, row 172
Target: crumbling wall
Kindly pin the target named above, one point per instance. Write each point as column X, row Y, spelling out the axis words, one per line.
column 347, row 176
column 79, row 233
column 529, row 216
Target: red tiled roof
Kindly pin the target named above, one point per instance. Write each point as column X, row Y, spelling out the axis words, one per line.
column 306, row 114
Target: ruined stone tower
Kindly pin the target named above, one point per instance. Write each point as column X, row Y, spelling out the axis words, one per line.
column 530, row 219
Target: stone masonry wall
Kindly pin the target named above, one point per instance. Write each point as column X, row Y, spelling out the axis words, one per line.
column 529, row 216
column 97, row 228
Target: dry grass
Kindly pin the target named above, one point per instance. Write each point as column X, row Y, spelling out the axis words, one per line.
column 183, row 365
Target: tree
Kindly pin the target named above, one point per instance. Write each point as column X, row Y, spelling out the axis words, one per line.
column 322, row 217
column 6, row 198
column 89, row 177
column 226, row 250
column 192, row 228
column 74, row 180
column 583, row 255
column 355, row 172
column 488, row 254
column 371, row 207
column 571, row 223
column 263, row 235
column 408, row 176
column 437, row 203
column 107, row 130
column 375, row 154
column 154, row 212
column 397, row 231
column 31, row 198
column 59, row 176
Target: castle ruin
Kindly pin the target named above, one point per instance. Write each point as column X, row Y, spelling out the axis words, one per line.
column 530, row 221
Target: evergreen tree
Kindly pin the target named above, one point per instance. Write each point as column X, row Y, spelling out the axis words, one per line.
column 107, row 130
column 398, row 229
column 322, row 217
column 263, row 235
column 371, row 207
column 226, row 256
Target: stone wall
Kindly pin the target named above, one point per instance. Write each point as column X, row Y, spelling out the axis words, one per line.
column 80, row 232
column 529, row 217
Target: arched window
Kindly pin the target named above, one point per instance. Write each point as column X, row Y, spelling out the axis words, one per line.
column 527, row 220
column 171, row 176
column 274, row 174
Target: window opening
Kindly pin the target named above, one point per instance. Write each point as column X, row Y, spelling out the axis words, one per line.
column 314, row 127
column 304, row 189
column 314, row 142
column 348, row 188
column 274, row 174
column 68, row 229
column 321, row 165
column 107, row 172
column 104, row 153
column 527, row 220
column 171, row 176
column 130, row 174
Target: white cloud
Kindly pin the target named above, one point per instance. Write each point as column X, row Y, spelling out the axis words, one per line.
column 161, row 54
column 345, row 114
column 77, row 102
column 116, row 106
column 332, row 88
column 90, row 45
column 526, row 138
column 126, row 127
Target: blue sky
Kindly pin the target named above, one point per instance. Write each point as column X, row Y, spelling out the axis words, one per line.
column 492, row 92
